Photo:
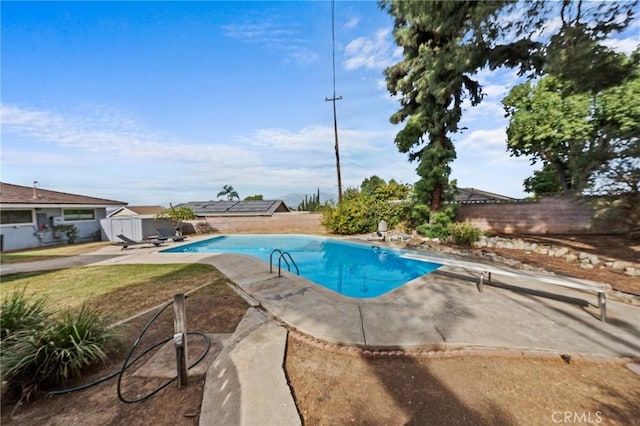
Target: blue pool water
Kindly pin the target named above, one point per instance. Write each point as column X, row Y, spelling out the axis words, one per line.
column 350, row 269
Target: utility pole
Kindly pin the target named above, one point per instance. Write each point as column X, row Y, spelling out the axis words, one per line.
column 334, row 99
column 337, row 148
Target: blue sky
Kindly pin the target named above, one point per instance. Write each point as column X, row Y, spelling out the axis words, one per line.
column 158, row 102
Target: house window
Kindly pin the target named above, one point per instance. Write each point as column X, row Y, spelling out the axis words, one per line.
column 79, row 214
column 13, row 217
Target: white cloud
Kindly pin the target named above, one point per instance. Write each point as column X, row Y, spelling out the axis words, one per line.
column 256, row 31
column 156, row 168
column 316, row 139
column 286, row 39
column 482, row 140
column 351, row 23
column 110, row 134
column 623, row 45
column 372, row 53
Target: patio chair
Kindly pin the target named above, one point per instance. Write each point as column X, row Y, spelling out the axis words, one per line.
column 165, row 234
column 126, row 242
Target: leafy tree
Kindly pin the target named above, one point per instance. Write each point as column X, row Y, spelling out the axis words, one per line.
column 176, row 216
column 576, row 54
column 548, row 125
column 257, row 197
column 371, row 184
column 229, row 192
column 591, row 141
column 617, row 121
column 543, row 182
column 446, row 43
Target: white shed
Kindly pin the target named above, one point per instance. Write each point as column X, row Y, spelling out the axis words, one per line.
column 136, row 222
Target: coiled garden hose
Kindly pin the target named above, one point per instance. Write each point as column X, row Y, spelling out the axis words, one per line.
column 128, row 363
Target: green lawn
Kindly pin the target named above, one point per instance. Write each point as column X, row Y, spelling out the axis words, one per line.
column 50, row 252
column 118, row 290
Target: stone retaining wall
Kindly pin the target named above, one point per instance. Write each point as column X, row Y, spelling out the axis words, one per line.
column 582, row 259
column 546, row 216
column 293, row 222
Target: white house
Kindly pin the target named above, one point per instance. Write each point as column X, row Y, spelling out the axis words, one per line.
column 30, row 216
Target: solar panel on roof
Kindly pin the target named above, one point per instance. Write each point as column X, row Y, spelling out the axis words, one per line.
column 216, row 207
column 252, row 206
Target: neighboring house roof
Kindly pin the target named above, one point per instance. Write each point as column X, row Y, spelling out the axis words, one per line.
column 236, row 208
column 136, row 211
column 472, row 195
column 33, row 196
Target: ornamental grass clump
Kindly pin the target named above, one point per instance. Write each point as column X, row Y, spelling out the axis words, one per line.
column 51, row 350
column 19, row 312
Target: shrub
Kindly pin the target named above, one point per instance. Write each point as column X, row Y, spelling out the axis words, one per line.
column 464, row 234
column 54, row 351
column 359, row 213
column 204, row 228
column 19, row 312
column 71, row 231
column 418, row 214
column 352, row 216
column 438, row 226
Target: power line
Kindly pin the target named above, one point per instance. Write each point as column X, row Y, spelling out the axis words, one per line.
column 334, row 99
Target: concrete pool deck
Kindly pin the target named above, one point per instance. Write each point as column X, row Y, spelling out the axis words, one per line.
column 437, row 312
column 441, row 310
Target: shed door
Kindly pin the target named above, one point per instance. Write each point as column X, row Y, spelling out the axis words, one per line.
column 129, row 227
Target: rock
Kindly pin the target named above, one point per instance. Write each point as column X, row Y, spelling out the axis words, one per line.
column 542, row 250
column 619, row 264
column 508, row 245
column 582, row 255
column 561, row 252
column 593, row 259
column 518, row 244
column 570, row 258
column 631, row 271
column 586, row 266
column 480, row 243
column 511, row 262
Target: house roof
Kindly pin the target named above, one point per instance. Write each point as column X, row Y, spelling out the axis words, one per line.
column 472, row 195
column 236, row 208
column 25, row 195
column 137, row 211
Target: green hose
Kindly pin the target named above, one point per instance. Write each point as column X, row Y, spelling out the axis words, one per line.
column 128, row 363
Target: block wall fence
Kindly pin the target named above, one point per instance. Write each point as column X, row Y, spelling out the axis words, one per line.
column 279, row 223
column 546, row 216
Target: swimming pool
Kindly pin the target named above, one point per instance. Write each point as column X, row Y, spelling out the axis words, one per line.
column 351, row 269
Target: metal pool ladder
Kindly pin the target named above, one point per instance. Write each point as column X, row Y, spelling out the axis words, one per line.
column 283, row 256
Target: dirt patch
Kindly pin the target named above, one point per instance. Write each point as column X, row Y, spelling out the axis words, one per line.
column 339, row 389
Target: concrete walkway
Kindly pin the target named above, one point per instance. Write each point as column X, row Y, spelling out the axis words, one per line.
column 439, row 311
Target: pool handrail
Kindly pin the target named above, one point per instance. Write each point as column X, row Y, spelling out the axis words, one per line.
column 284, row 257
column 271, row 259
